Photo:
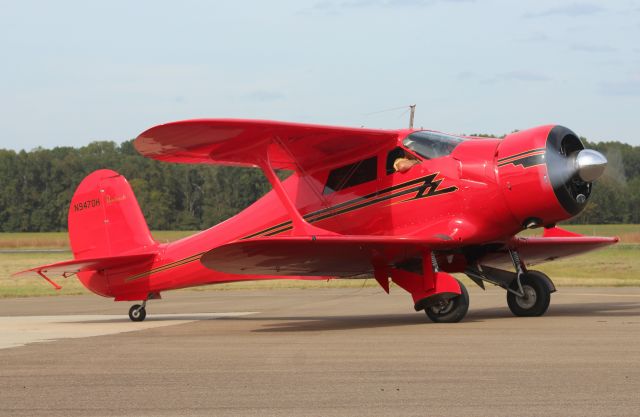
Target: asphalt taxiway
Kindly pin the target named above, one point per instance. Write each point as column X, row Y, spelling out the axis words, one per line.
column 334, row 352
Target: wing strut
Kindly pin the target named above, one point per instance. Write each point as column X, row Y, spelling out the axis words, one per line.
column 303, row 173
column 300, row 226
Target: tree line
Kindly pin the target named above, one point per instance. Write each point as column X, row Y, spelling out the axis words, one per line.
column 616, row 196
column 37, row 187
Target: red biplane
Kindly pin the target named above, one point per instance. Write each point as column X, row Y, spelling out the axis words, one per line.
column 408, row 206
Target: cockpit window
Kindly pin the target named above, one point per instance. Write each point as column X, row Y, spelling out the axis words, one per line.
column 431, row 145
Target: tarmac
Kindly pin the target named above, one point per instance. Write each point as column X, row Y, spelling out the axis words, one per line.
column 320, row 352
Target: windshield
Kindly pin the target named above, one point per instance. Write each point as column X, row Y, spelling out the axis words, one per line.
column 431, row 144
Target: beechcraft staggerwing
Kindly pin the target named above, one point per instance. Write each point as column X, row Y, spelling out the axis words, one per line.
column 404, row 206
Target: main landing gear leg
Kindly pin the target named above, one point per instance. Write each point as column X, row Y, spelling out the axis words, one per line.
column 450, row 310
column 528, row 292
column 138, row 312
column 528, row 295
column 443, row 298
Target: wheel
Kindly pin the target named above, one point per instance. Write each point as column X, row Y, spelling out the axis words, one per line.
column 537, row 295
column 137, row 313
column 452, row 310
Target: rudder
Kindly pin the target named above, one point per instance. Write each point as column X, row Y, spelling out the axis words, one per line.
column 105, row 218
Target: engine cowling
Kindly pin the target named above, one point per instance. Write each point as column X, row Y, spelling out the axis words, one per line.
column 546, row 174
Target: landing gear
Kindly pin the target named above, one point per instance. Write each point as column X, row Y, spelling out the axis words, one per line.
column 138, row 312
column 451, row 310
column 528, row 292
column 530, row 297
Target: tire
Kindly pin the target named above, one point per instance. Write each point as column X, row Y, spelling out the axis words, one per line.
column 137, row 313
column 453, row 311
column 537, row 295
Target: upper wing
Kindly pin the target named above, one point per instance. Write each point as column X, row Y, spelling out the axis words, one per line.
column 339, row 256
column 295, row 146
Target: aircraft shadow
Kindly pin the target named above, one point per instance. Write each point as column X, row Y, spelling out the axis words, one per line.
column 315, row 324
column 161, row 318
column 311, row 324
column 617, row 309
column 628, row 309
column 324, row 323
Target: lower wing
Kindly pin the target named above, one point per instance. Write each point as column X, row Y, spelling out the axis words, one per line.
column 338, row 256
column 554, row 244
column 349, row 255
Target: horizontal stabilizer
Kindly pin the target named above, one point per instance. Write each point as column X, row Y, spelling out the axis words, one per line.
column 340, row 256
column 68, row 268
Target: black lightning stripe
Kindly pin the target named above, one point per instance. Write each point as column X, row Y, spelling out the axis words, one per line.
column 425, row 186
column 529, row 161
column 525, row 159
column 311, row 216
column 521, row 154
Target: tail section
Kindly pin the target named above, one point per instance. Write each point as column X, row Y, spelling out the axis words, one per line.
column 105, row 218
column 107, row 232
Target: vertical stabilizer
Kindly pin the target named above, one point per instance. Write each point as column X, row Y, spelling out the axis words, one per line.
column 105, row 218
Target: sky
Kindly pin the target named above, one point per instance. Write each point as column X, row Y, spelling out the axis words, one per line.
column 73, row 72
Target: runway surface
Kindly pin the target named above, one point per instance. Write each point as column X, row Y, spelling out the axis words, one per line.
column 334, row 352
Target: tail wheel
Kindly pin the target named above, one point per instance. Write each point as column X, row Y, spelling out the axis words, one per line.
column 536, row 295
column 452, row 310
column 137, row 312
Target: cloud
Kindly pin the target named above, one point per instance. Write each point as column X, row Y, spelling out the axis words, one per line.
column 394, row 3
column 536, row 37
column 465, row 75
column 264, row 96
column 523, row 75
column 321, row 7
column 335, row 7
column 629, row 87
column 592, row 48
column 570, row 10
column 516, row 75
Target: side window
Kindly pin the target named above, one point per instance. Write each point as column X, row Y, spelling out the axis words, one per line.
column 394, row 154
column 352, row 174
column 391, row 158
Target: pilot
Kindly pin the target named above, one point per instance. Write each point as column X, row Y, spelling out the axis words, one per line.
column 404, row 162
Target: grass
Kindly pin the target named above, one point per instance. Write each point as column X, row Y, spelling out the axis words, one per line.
column 617, row 265
column 31, row 284
column 33, row 240
column 60, row 240
column 628, row 233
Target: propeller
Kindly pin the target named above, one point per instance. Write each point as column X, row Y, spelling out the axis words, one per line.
column 572, row 168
